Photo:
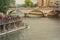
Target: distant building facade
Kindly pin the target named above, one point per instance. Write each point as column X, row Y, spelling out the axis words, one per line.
column 43, row 2
column 40, row 2
column 48, row 2
column 54, row 3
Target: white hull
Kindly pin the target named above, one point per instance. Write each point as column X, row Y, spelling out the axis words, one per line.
column 12, row 30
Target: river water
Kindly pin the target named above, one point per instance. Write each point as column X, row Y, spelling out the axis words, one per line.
column 39, row 29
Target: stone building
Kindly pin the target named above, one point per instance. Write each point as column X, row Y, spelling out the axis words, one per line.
column 43, row 2
column 48, row 2
column 50, row 7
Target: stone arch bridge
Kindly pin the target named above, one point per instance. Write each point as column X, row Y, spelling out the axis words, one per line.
column 25, row 11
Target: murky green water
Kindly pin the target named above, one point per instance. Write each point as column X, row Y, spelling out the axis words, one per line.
column 40, row 29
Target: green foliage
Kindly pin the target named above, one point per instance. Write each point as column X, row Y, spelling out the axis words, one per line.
column 4, row 5
column 12, row 2
column 34, row 5
column 28, row 3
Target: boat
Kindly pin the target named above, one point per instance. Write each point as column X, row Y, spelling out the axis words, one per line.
column 11, row 23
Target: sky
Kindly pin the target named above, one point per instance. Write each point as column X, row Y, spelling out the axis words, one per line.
column 22, row 1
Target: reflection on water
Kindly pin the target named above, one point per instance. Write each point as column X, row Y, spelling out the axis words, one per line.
column 40, row 29
column 17, row 35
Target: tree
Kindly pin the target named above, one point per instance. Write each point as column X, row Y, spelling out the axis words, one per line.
column 28, row 3
column 4, row 6
column 12, row 2
column 34, row 5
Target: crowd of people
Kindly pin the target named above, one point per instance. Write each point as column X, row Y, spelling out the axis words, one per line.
column 8, row 22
